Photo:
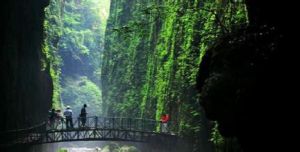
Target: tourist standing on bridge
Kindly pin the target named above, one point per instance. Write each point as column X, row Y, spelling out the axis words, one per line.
column 68, row 114
column 164, row 122
column 59, row 115
column 52, row 117
column 82, row 115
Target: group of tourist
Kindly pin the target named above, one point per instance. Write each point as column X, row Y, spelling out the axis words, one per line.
column 67, row 117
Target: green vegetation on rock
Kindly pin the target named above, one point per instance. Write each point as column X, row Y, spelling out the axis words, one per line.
column 152, row 53
column 74, row 35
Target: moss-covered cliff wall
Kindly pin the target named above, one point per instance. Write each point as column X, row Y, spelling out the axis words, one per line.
column 153, row 49
column 26, row 86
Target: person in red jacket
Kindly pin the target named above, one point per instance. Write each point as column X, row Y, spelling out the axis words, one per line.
column 164, row 122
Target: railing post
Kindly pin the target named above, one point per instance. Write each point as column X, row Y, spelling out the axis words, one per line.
column 104, row 122
column 113, row 124
column 122, row 124
column 78, row 122
column 142, row 124
column 96, row 122
column 129, row 123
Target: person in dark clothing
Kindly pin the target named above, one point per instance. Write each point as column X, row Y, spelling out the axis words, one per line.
column 83, row 114
column 52, row 117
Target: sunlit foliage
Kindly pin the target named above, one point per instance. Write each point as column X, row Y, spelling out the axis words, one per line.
column 74, row 35
column 81, row 91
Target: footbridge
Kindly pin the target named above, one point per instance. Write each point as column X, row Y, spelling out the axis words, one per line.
column 94, row 129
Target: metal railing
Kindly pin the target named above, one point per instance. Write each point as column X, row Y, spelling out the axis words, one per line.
column 94, row 122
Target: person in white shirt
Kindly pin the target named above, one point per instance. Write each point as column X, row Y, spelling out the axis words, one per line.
column 68, row 114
